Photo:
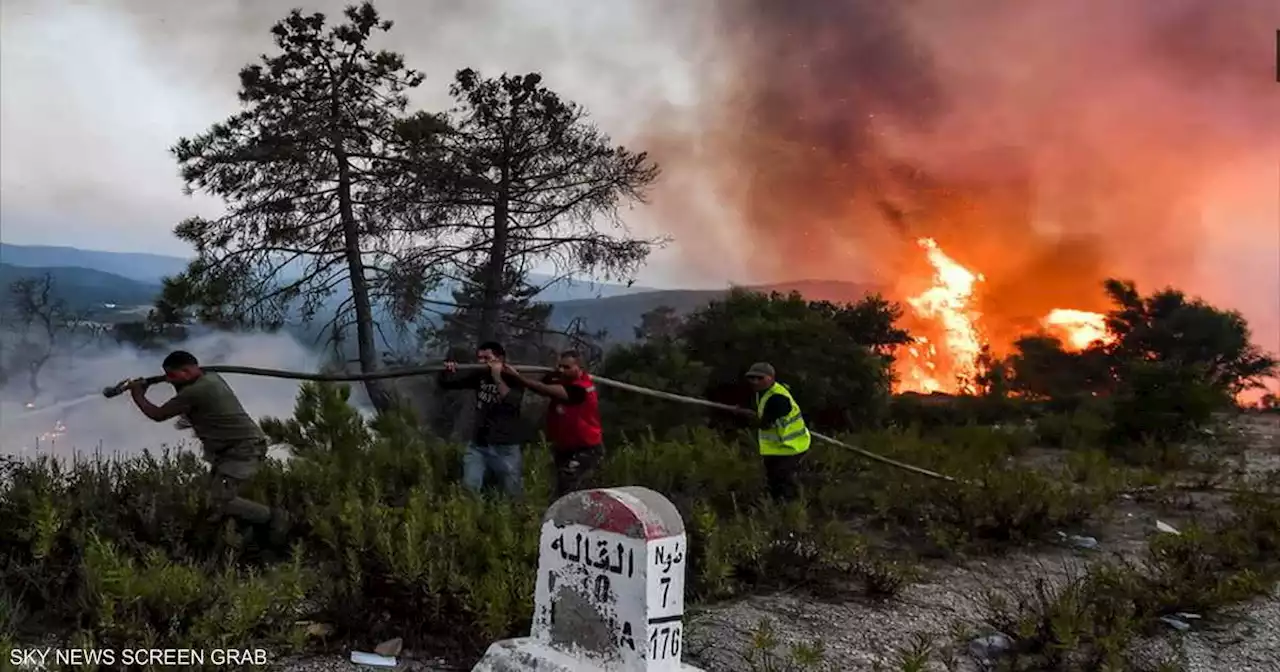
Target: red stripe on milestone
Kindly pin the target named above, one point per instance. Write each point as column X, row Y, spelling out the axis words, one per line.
column 607, row 513
column 639, row 525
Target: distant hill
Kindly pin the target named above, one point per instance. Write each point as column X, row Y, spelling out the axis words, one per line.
column 85, row 289
column 141, row 267
column 87, row 281
column 151, row 268
column 620, row 315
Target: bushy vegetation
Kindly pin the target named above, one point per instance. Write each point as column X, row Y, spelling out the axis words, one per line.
column 1095, row 620
column 117, row 553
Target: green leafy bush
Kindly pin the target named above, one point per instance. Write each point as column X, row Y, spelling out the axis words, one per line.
column 834, row 358
column 1092, row 620
column 387, row 545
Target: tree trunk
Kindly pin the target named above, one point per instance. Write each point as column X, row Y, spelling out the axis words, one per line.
column 491, row 295
column 379, row 394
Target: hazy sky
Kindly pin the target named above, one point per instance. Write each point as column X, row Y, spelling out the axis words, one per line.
column 1146, row 128
column 95, row 92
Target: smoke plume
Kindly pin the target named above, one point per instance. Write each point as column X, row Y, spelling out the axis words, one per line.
column 1047, row 145
column 71, row 418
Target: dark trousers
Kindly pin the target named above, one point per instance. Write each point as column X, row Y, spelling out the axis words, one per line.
column 574, row 466
column 228, row 474
column 780, row 475
column 226, row 478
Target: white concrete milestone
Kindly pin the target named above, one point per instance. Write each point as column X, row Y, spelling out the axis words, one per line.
column 610, row 590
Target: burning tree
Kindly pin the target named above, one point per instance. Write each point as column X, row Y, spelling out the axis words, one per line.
column 1166, row 364
column 301, row 170
column 951, row 351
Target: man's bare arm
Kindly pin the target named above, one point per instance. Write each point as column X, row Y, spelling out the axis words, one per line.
column 173, row 408
column 545, row 389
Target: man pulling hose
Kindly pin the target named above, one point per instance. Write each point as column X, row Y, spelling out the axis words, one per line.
column 573, row 421
column 782, row 434
column 234, row 445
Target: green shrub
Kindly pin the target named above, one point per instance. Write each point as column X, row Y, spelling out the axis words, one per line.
column 1090, row 622
column 994, row 502
column 1163, row 403
column 942, row 411
column 660, row 364
column 387, row 544
column 765, row 653
column 806, row 342
column 120, row 551
column 153, row 602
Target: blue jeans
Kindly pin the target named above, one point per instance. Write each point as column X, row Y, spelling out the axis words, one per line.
column 504, row 462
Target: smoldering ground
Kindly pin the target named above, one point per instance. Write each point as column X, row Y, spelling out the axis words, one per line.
column 71, row 417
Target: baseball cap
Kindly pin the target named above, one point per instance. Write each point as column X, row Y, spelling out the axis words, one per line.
column 760, row 370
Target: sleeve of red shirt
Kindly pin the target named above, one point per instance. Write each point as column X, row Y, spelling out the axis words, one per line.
column 577, row 393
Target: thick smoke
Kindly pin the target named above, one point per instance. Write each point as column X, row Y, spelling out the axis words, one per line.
column 61, row 426
column 1048, row 145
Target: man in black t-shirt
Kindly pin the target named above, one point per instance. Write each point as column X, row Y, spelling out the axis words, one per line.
column 499, row 432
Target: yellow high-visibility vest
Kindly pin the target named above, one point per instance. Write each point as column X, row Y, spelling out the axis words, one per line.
column 789, row 436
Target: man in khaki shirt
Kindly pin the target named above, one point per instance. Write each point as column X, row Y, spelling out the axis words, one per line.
column 234, row 445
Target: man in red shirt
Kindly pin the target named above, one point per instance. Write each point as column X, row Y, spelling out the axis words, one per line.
column 573, row 421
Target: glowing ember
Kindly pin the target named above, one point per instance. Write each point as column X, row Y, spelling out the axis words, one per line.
column 1078, row 328
column 947, row 302
column 50, row 437
column 58, row 430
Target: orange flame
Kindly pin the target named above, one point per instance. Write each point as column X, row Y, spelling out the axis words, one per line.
column 1078, row 329
column 948, row 304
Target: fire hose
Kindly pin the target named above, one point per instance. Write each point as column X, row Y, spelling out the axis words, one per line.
column 116, row 390
column 385, row 374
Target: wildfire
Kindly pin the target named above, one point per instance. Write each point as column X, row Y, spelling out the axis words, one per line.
column 1078, row 328
column 948, row 304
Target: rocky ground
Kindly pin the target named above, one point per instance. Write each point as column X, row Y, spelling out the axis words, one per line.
column 944, row 610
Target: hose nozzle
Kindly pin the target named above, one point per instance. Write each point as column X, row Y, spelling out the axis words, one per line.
column 120, row 387
column 114, row 390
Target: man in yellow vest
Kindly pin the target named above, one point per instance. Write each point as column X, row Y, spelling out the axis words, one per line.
column 782, row 434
